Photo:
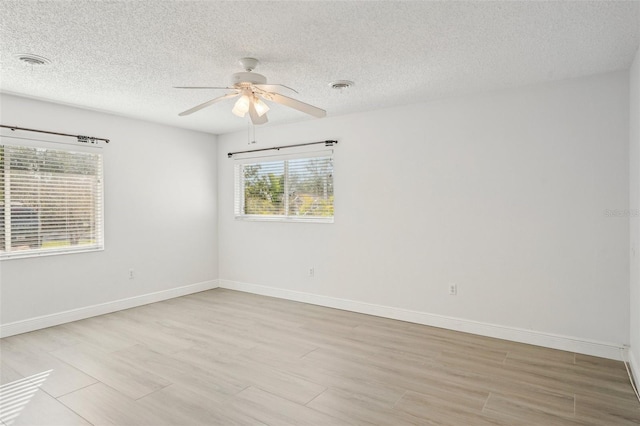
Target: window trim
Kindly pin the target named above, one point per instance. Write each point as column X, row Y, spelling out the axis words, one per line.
column 69, row 147
column 238, row 205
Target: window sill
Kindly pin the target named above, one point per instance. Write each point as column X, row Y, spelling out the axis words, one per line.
column 293, row 219
column 33, row 253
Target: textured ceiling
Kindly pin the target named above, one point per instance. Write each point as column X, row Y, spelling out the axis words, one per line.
column 124, row 57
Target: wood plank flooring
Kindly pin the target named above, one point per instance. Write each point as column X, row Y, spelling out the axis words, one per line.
column 222, row 357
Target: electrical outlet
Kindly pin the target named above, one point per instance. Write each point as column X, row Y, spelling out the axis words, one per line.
column 131, row 274
column 312, row 272
column 453, row 289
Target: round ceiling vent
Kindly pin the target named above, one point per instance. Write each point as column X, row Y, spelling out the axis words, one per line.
column 30, row 59
column 341, row 84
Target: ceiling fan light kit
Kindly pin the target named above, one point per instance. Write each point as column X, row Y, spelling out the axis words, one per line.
column 261, row 107
column 252, row 89
column 242, row 106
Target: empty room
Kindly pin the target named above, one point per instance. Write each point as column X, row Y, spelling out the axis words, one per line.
column 319, row 213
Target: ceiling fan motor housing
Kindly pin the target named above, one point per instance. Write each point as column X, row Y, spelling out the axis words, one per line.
column 247, row 78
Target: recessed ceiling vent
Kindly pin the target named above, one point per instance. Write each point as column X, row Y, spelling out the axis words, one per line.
column 30, row 59
column 341, row 84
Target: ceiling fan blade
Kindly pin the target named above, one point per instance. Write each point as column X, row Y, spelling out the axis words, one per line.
column 202, row 87
column 206, row 104
column 255, row 118
column 295, row 104
column 273, row 87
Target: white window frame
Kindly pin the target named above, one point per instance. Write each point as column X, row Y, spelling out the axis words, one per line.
column 252, row 158
column 98, row 245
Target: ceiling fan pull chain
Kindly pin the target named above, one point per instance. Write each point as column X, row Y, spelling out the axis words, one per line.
column 251, row 132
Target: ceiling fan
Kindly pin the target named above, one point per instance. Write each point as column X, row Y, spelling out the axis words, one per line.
column 253, row 90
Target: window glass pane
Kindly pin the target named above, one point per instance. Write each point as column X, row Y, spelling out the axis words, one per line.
column 264, row 188
column 51, row 200
column 2, row 168
column 292, row 189
column 311, row 187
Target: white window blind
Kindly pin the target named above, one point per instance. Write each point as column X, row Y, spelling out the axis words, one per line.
column 51, row 200
column 294, row 189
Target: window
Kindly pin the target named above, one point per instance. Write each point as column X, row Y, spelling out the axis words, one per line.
column 292, row 189
column 50, row 200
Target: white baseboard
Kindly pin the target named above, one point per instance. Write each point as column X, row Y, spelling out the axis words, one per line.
column 566, row 343
column 633, row 363
column 532, row 337
column 45, row 321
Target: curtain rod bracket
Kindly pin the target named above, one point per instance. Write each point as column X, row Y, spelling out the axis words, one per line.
column 87, row 139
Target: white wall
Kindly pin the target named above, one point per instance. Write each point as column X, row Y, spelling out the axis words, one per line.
column 634, row 200
column 503, row 194
column 160, row 214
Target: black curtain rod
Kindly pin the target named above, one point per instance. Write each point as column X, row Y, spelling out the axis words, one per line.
column 278, row 148
column 83, row 139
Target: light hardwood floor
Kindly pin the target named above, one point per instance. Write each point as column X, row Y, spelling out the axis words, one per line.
column 228, row 358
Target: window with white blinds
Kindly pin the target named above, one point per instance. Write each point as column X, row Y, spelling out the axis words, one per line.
column 50, row 200
column 292, row 189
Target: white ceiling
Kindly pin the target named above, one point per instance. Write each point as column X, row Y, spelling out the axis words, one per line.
column 125, row 56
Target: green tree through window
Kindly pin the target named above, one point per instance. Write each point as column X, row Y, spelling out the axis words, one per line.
column 299, row 188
